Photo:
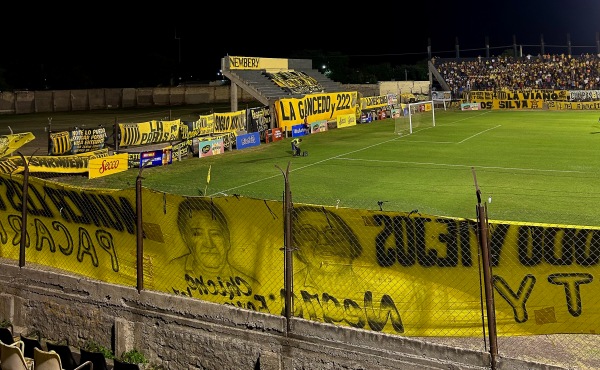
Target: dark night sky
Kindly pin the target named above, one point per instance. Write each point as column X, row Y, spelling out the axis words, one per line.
column 106, row 46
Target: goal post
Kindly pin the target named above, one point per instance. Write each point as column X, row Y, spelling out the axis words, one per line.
column 414, row 116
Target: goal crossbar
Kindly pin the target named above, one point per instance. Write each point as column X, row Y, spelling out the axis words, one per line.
column 419, row 114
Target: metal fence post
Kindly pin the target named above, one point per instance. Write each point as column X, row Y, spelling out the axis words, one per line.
column 482, row 228
column 287, row 247
column 24, row 211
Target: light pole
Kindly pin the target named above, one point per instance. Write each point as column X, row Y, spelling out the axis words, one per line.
column 178, row 57
column 178, row 46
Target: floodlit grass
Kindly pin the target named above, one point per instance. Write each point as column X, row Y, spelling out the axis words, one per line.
column 535, row 166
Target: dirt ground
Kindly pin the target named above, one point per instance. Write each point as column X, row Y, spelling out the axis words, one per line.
column 567, row 351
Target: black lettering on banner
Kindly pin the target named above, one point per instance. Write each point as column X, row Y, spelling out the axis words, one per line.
column 355, row 318
column 261, row 307
column 518, row 300
column 44, row 236
column 130, row 134
column 71, row 162
column 68, row 248
column 12, row 193
column 244, row 62
column 16, row 223
column 465, row 230
column 426, row 258
column 498, row 234
column 293, row 116
column 235, row 289
column 220, row 123
column 344, row 101
column 529, row 242
column 335, row 315
column 588, row 252
column 376, row 100
column 537, row 244
column 97, row 209
column 85, row 243
column 105, row 241
column 552, row 240
column 308, row 299
column 330, row 310
column 554, row 245
column 450, row 239
column 316, row 104
column 571, row 283
column 408, row 245
column 3, row 234
column 36, row 205
column 404, row 249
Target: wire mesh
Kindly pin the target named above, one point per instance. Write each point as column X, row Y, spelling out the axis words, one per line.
column 403, row 273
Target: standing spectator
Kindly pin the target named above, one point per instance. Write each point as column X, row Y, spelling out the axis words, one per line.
column 306, row 126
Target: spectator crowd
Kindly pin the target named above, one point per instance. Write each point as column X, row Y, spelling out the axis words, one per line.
column 544, row 72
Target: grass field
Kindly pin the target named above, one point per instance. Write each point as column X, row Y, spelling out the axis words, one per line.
column 534, row 166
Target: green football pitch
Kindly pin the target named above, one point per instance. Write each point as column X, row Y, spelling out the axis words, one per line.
column 530, row 166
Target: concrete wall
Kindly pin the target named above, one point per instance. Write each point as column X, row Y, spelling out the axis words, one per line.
column 183, row 333
column 23, row 102
column 404, row 87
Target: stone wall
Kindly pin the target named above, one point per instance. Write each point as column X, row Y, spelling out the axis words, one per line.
column 182, row 333
column 24, row 102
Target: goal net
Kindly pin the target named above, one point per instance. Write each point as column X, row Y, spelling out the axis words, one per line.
column 415, row 116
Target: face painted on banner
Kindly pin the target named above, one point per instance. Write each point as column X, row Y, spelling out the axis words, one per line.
column 325, row 243
column 208, row 241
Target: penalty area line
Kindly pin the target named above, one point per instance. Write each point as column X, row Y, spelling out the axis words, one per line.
column 460, row 165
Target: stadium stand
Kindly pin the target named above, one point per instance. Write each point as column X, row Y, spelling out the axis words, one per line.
column 268, row 85
column 556, row 72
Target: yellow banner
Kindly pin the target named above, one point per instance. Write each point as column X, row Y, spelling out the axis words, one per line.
column 60, row 143
column 77, row 163
column 516, row 95
column 399, row 273
column 509, row 104
column 151, row 132
column 257, row 63
column 327, row 106
column 91, row 233
column 205, row 125
column 230, row 122
column 509, row 99
column 560, row 105
column 10, row 143
column 109, row 165
column 371, row 102
column 346, row 120
column 77, row 140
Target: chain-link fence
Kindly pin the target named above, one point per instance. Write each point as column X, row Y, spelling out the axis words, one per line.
column 401, row 273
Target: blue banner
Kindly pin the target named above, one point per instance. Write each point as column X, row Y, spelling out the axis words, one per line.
column 247, row 140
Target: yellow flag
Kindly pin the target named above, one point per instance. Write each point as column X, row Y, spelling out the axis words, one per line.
column 208, row 176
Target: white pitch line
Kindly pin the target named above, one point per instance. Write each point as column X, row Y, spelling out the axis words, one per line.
column 479, row 133
column 324, row 160
column 305, row 166
column 460, row 165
